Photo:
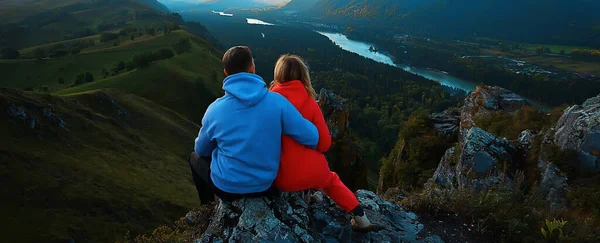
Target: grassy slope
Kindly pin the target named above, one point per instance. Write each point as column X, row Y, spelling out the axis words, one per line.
column 105, row 173
column 185, row 83
column 555, row 48
column 563, row 63
column 172, row 82
column 52, row 25
column 15, row 10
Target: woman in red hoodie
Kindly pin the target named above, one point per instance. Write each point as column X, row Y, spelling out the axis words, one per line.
column 303, row 168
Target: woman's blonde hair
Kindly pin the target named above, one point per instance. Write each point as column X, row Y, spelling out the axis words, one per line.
column 291, row 67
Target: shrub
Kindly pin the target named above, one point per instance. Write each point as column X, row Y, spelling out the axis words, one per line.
column 416, row 155
column 179, row 232
column 39, row 53
column 182, row 46
column 117, row 67
column 89, row 77
column 163, row 54
column 108, row 36
column 80, row 79
column 142, row 60
column 129, row 66
column 9, row 53
column 510, row 212
column 510, row 126
column 586, row 198
column 151, row 31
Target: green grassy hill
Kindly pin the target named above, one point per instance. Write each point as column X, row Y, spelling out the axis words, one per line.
column 186, row 83
column 66, row 20
column 92, row 160
column 91, row 166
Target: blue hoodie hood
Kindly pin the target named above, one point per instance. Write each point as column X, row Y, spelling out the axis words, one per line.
column 248, row 88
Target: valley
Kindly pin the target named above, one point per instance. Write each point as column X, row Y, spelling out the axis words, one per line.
column 100, row 101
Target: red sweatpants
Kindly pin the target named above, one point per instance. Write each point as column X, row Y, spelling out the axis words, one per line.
column 339, row 193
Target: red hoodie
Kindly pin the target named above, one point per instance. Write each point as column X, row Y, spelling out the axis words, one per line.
column 302, row 168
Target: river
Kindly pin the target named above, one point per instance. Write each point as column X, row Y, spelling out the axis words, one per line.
column 363, row 49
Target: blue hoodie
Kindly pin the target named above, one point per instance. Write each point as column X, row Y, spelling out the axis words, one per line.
column 242, row 130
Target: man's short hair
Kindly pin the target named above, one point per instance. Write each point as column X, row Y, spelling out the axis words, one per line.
column 237, row 59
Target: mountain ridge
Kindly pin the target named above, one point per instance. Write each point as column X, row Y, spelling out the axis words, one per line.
column 558, row 21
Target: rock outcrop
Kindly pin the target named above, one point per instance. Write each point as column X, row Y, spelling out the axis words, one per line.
column 579, row 129
column 289, row 218
column 343, row 156
column 526, row 139
column 477, row 162
column 484, row 100
column 446, row 122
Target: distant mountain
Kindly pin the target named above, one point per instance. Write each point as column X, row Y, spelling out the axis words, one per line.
column 180, row 5
column 554, row 21
column 61, row 21
column 300, row 5
column 369, row 8
column 155, row 5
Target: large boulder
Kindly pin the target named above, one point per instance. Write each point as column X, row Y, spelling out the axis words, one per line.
column 446, row 122
column 445, row 174
column 477, row 164
column 289, row 218
column 526, row 139
column 579, row 129
column 483, row 101
column 553, row 185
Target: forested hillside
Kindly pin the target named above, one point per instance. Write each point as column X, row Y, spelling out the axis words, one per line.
column 556, row 21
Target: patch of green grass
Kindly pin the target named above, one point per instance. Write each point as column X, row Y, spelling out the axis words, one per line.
column 118, row 165
column 554, row 48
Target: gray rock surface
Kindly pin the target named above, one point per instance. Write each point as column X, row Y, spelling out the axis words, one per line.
column 445, row 174
column 553, row 183
column 526, row 139
column 290, row 219
column 478, row 163
column 446, row 122
column 579, row 129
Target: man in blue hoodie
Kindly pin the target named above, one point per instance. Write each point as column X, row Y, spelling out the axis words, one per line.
column 238, row 149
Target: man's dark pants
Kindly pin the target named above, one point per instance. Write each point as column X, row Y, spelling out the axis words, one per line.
column 200, row 167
